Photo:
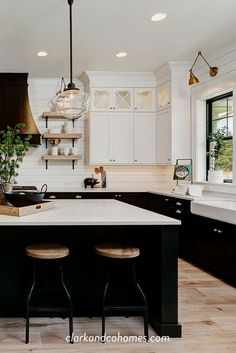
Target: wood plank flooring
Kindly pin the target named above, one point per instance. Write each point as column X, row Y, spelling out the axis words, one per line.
column 207, row 312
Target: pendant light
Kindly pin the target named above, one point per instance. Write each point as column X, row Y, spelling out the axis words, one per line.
column 71, row 102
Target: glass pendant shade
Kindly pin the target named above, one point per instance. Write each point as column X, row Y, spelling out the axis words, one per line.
column 71, row 103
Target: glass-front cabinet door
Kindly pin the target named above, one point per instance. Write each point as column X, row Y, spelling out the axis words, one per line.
column 101, row 99
column 144, row 99
column 123, row 99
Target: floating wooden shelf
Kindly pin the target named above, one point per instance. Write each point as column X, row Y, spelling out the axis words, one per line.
column 49, row 157
column 70, row 157
column 52, row 115
column 61, row 136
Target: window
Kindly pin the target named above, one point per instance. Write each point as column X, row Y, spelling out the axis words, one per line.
column 220, row 116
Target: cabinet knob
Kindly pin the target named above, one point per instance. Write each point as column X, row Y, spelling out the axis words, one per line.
column 52, row 197
column 220, row 231
column 114, row 160
column 136, row 160
column 166, row 200
column 215, row 230
column 168, row 159
column 178, row 203
column 110, row 160
column 136, row 108
column 114, row 107
column 110, row 107
column 78, row 197
column 178, row 211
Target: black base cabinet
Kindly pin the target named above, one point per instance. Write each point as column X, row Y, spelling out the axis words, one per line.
column 212, row 247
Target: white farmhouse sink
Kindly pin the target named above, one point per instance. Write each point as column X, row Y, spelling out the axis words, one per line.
column 224, row 211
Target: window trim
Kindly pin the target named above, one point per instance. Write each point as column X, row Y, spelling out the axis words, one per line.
column 209, row 127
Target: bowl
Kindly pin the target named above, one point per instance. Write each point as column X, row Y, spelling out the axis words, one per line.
column 23, row 198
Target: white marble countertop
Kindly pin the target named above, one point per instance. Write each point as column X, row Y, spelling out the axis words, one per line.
column 221, row 210
column 90, row 212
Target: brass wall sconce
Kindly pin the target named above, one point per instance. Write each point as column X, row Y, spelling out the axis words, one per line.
column 193, row 79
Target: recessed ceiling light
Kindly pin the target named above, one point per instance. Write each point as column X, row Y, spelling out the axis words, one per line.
column 158, row 17
column 42, row 53
column 121, row 54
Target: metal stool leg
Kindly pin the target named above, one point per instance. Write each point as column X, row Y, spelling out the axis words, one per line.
column 28, row 306
column 144, row 300
column 103, row 304
column 70, row 305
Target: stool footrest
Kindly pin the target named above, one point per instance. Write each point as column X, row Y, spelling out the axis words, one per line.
column 123, row 308
column 47, row 309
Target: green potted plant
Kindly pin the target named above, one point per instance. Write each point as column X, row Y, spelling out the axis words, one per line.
column 215, row 174
column 12, row 151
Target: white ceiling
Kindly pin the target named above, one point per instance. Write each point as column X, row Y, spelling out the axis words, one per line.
column 104, row 27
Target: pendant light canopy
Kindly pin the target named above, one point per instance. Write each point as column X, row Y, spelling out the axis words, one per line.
column 71, row 102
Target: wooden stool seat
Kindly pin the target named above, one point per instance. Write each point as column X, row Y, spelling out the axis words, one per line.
column 47, row 251
column 117, row 251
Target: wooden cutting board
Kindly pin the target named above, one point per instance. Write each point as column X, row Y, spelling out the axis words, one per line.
column 9, row 210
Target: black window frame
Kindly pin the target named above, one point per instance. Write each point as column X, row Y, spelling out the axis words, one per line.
column 209, row 126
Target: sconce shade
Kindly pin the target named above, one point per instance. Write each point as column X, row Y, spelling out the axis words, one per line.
column 71, row 102
column 192, row 78
column 213, row 71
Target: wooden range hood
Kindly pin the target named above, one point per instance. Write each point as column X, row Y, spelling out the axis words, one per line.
column 15, row 106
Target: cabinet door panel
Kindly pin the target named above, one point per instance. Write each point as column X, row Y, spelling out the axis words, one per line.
column 121, row 138
column 123, row 99
column 144, row 138
column 163, row 96
column 101, row 99
column 99, row 138
column 164, row 137
column 144, row 99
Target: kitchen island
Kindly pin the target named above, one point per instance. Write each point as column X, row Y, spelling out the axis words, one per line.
column 80, row 224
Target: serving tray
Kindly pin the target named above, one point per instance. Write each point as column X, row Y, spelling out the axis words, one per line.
column 10, row 210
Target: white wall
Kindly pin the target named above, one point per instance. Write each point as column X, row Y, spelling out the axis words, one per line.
column 60, row 174
column 208, row 87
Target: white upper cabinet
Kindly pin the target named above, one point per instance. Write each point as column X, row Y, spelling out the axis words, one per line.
column 144, row 138
column 101, row 99
column 145, row 99
column 121, row 138
column 164, row 96
column 123, row 99
column 112, row 99
column 99, row 138
column 110, row 138
column 173, row 116
column 164, row 137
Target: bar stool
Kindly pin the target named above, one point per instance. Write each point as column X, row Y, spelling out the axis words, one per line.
column 49, row 257
column 117, row 255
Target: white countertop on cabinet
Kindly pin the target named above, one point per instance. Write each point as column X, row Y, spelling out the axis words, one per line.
column 90, row 212
column 221, row 210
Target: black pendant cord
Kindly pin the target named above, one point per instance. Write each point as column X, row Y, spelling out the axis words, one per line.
column 71, row 84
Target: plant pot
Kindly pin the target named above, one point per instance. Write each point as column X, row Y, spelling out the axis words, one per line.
column 7, row 187
column 215, row 176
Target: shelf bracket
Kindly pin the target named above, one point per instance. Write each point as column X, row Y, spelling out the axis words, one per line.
column 73, row 142
column 73, row 164
column 46, row 121
column 46, row 161
column 73, row 123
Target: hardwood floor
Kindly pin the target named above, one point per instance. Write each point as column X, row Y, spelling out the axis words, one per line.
column 207, row 311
